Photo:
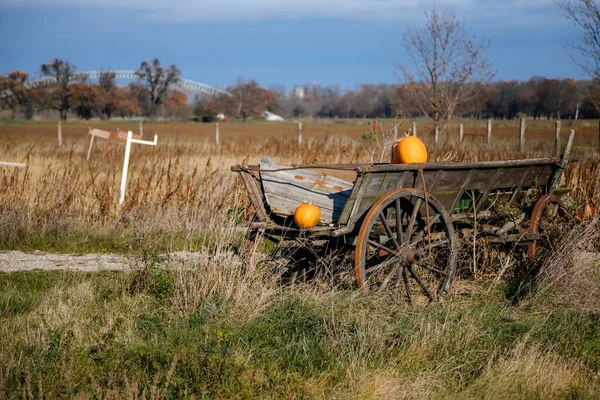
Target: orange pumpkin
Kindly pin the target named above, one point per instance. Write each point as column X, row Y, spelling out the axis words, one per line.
column 307, row 215
column 409, row 150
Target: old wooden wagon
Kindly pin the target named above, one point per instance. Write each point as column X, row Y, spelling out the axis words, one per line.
column 404, row 222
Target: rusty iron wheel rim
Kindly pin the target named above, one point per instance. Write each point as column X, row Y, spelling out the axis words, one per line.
column 534, row 224
column 407, row 254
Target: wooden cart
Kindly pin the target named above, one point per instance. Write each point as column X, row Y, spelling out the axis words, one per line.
column 405, row 222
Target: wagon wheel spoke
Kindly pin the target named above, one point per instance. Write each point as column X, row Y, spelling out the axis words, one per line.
column 399, row 235
column 432, row 269
column 388, row 279
column 417, row 278
column 381, row 247
column 418, row 237
column 413, row 217
column 397, row 283
column 407, row 284
column 382, row 265
column 388, row 230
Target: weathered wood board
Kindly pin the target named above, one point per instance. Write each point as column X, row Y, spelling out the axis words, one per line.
column 286, row 190
column 447, row 182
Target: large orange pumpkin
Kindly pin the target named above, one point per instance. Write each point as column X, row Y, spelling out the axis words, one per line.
column 409, row 150
column 307, row 215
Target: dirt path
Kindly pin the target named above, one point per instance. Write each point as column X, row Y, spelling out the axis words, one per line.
column 11, row 261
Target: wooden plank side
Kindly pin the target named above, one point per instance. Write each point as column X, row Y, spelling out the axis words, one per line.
column 506, row 178
column 386, row 167
column 354, row 214
column 285, row 203
column 285, row 190
column 448, row 185
column 524, row 178
column 253, row 189
column 491, row 186
column 305, row 178
column 356, row 193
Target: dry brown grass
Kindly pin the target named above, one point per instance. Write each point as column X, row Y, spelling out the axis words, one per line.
column 528, row 372
column 182, row 189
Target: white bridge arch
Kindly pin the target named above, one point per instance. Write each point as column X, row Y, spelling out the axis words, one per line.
column 127, row 74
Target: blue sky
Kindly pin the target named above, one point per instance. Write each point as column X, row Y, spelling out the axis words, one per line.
column 288, row 42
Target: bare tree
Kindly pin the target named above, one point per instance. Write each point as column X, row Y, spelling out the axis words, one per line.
column 14, row 89
column 246, row 99
column 108, row 90
column 157, row 81
column 442, row 62
column 86, row 100
column 585, row 14
column 58, row 95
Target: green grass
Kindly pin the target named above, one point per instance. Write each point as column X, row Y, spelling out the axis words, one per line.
column 106, row 240
column 92, row 334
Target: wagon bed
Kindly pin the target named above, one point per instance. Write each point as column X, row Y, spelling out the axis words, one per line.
column 276, row 191
column 390, row 212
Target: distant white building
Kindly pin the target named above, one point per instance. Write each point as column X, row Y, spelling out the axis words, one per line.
column 298, row 92
column 272, row 117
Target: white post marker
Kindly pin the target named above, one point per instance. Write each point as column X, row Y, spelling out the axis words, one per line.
column 126, row 160
column 217, row 141
column 12, row 164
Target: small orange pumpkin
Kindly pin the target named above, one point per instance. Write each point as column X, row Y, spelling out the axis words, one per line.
column 409, row 150
column 307, row 215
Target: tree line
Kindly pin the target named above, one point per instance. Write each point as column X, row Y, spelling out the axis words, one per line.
column 64, row 90
column 154, row 95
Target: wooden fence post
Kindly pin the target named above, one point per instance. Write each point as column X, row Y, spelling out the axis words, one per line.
column 299, row 133
column 489, row 131
column 414, row 128
column 59, row 133
column 522, row 136
column 141, row 128
column 461, row 133
column 395, row 132
column 557, row 138
column 217, row 142
column 436, row 138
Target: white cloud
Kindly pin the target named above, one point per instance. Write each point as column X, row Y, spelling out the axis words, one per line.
column 232, row 10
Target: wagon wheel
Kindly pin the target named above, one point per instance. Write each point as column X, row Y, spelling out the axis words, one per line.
column 547, row 220
column 394, row 252
column 284, row 257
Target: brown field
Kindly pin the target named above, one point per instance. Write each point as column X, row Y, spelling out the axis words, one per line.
column 184, row 184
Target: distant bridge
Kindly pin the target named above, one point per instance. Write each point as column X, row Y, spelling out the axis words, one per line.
column 190, row 85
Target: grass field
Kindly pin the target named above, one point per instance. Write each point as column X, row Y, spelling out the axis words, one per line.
column 215, row 329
